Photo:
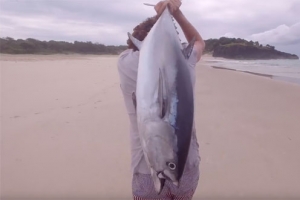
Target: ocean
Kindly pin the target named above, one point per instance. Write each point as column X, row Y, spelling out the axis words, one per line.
column 285, row 70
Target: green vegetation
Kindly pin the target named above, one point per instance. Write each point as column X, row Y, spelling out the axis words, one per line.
column 212, row 44
column 224, row 47
column 242, row 49
column 33, row 46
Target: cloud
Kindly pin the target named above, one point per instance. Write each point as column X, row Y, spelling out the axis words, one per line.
column 282, row 35
column 102, row 21
column 45, row 28
column 229, row 35
column 241, row 17
column 100, row 11
column 107, row 21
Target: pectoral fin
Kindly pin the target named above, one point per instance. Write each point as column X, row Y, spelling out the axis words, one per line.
column 135, row 41
column 162, row 94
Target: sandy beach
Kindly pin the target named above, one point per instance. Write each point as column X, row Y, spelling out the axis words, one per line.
column 65, row 132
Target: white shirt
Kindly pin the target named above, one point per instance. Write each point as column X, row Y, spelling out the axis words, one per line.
column 128, row 66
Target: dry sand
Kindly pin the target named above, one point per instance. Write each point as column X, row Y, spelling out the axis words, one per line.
column 64, row 131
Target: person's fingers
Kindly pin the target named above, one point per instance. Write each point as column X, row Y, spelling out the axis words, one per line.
column 163, row 6
column 156, row 7
column 173, row 8
column 176, row 3
column 160, row 7
column 170, row 6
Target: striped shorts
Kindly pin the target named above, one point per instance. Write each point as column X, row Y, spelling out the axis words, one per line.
column 143, row 187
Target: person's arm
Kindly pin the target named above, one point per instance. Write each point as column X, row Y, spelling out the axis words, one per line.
column 190, row 32
column 187, row 28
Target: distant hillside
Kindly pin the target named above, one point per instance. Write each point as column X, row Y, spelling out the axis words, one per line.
column 242, row 49
column 224, row 47
column 33, row 46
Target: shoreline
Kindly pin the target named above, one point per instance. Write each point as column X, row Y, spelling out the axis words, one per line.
column 76, row 56
column 279, row 78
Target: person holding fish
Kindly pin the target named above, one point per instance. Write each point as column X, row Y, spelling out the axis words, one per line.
column 157, row 78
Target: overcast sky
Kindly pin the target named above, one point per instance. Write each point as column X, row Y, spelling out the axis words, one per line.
column 275, row 22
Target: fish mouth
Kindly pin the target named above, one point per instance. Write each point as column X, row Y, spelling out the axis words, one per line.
column 162, row 180
column 176, row 183
column 162, row 177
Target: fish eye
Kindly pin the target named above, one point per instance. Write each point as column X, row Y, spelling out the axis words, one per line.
column 171, row 165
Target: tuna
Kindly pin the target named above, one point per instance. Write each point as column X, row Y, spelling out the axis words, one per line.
column 164, row 101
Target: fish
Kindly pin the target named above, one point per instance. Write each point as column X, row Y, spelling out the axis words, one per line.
column 164, row 101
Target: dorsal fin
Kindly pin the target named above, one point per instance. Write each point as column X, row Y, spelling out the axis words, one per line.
column 135, row 41
column 188, row 50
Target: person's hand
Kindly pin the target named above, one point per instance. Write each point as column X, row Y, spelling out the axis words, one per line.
column 160, row 6
column 172, row 4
